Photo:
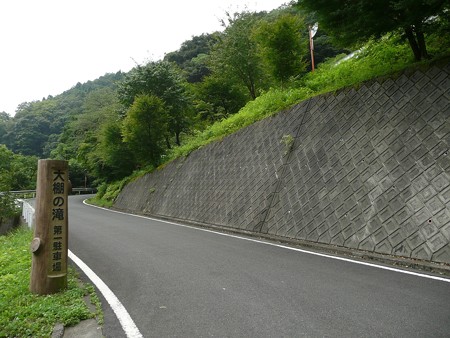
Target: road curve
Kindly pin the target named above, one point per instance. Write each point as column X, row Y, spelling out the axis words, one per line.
column 183, row 282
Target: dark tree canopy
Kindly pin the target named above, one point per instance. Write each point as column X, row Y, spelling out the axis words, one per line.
column 163, row 80
column 352, row 21
column 191, row 48
column 192, row 56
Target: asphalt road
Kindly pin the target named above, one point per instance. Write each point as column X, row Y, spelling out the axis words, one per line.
column 182, row 282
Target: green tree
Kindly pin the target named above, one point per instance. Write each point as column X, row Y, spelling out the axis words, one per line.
column 144, row 128
column 5, row 126
column 191, row 57
column 24, row 172
column 6, row 159
column 81, row 137
column 197, row 68
column 161, row 79
column 108, row 158
column 17, row 172
column 236, row 56
column 281, row 46
column 218, row 97
column 353, row 21
column 30, row 132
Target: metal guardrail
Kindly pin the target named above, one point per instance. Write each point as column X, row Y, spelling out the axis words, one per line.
column 79, row 191
column 28, row 212
column 22, row 193
column 32, row 193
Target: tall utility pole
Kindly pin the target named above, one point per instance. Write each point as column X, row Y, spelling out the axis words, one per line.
column 312, row 32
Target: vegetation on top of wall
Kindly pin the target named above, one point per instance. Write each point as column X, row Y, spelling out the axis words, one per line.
column 386, row 57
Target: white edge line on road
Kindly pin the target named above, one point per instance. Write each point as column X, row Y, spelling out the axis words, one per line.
column 125, row 320
column 447, row 280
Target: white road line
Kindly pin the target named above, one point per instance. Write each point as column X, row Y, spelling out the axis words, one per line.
column 125, row 320
column 447, row 280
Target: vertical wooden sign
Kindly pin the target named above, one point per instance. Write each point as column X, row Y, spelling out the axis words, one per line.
column 50, row 243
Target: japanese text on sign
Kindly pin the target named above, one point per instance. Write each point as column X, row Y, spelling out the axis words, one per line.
column 58, row 228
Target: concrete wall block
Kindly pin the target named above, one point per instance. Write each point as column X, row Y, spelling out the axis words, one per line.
column 443, row 255
column 445, row 230
column 422, row 252
column 384, row 247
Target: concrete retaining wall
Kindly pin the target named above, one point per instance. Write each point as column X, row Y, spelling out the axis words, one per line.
column 367, row 169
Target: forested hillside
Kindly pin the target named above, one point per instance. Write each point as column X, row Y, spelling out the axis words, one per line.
column 214, row 84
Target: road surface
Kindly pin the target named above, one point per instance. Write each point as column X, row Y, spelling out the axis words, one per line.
column 178, row 281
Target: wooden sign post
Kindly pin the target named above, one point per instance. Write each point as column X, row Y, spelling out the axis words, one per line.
column 50, row 244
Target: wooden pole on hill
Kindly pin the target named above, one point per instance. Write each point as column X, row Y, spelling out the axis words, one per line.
column 312, row 31
column 50, row 244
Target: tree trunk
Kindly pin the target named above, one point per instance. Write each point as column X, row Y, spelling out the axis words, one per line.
column 177, row 138
column 422, row 45
column 413, row 43
column 416, row 40
column 168, row 142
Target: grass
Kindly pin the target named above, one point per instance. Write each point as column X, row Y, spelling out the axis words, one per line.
column 23, row 314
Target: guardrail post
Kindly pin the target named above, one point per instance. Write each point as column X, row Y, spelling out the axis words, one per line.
column 50, row 244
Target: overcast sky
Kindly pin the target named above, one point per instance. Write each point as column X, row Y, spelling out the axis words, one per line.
column 47, row 46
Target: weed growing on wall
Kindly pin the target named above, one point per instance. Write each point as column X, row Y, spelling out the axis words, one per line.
column 288, row 141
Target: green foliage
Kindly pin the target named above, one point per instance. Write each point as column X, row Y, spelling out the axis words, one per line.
column 217, row 98
column 92, row 140
column 163, row 80
column 281, row 46
column 5, row 127
column 374, row 59
column 107, row 193
column 8, row 208
column 23, row 314
column 6, row 173
column 144, row 129
column 112, row 158
column 356, row 21
column 191, row 57
column 235, row 55
column 17, row 172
